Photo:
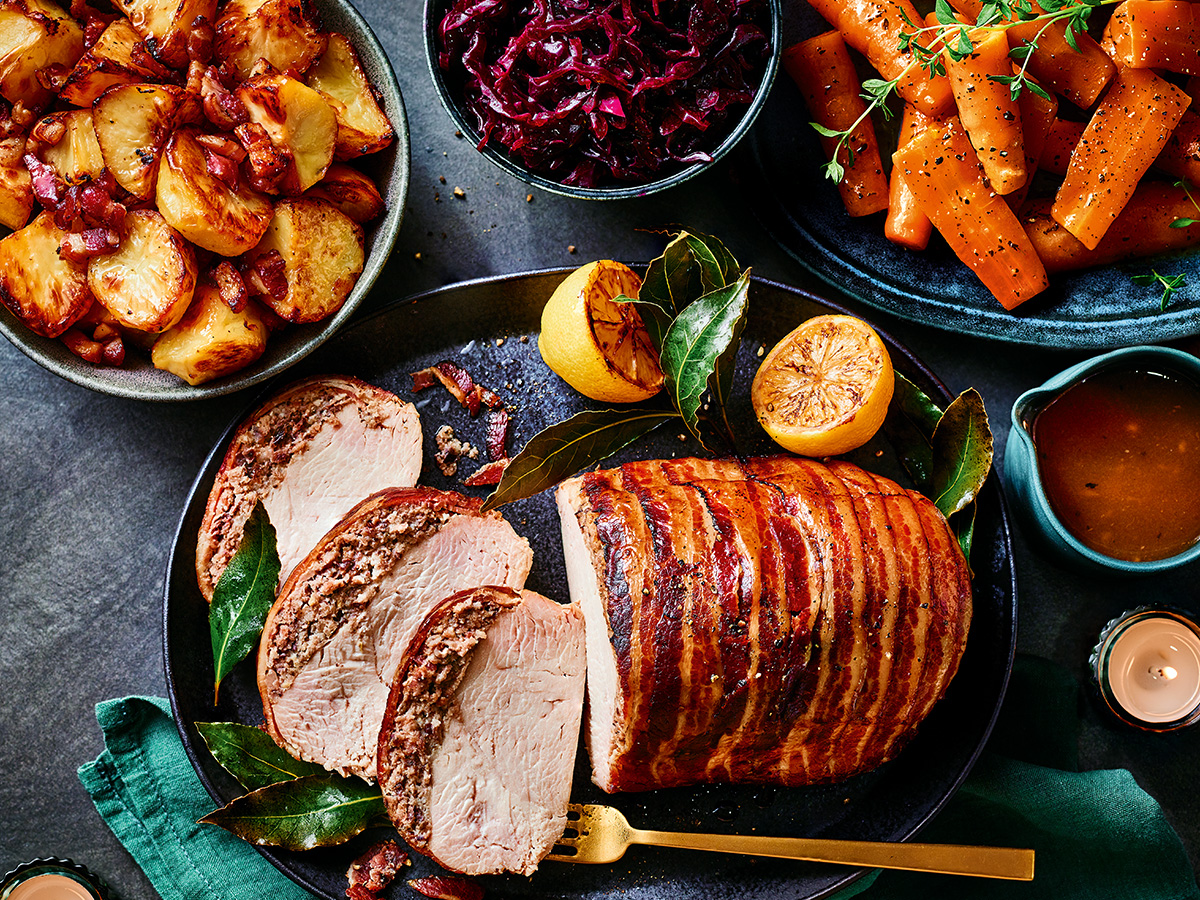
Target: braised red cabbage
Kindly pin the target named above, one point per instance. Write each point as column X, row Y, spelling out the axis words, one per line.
column 619, row 91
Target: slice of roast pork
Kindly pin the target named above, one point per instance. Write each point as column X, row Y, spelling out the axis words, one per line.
column 338, row 630
column 478, row 744
column 775, row 620
column 309, row 453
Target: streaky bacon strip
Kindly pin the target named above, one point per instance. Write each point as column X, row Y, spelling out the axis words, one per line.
column 231, row 286
column 374, row 870
column 488, row 474
column 80, row 246
column 458, row 381
column 497, row 433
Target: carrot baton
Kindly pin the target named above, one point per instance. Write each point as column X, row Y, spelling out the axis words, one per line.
column 1129, row 128
column 1144, row 228
column 1181, row 156
column 1060, row 144
column 1156, row 34
column 945, row 176
column 906, row 224
column 873, row 28
column 1038, row 116
column 990, row 115
column 822, row 69
column 1080, row 75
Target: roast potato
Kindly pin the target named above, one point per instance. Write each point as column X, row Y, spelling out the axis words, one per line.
column 34, row 34
column 299, row 120
column 165, row 24
column 76, row 156
column 362, row 126
column 133, row 123
column 148, row 282
column 322, row 251
column 211, row 340
column 109, row 61
column 280, row 31
column 44, row 289
column 203, row 208
column 16, row 185
column 350, row 191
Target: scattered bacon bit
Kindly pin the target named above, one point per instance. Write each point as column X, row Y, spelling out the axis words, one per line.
column 98, row 207
column 92, row 29
column 374, row 870
column 109, row 353
column 423, row 379
column 267, row 275
column 226, row 146
column 222, row 168
column 459, row 383
column 45, row 181
column 200, row 40
column 105, row 332
column 497, row 433
column 80, row 246
column 221, row 107
column 443, row 887
column 22, row 116
column 52, row 77
column 83, row 11
column 231, row 286
column 487, row 474
column 267, row 162
column 142, row 56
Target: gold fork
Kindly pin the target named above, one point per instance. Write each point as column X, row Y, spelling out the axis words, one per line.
column 601, row 834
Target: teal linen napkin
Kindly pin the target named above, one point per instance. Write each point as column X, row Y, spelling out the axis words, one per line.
column 145, row 788
column 1098, row 835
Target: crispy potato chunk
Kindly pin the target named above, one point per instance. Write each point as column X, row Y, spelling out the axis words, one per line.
column 76, row 157
column 16, row 185
column 165, row 24
column 362, row 126
column 322, row 252
column 298, row 120
column 133, row 122
column 201, row 207
column 34, row 34
column 282, row 32
column 350, row 191
column 43, row 289
column 110, row 61
column 211, row 340
column 148, row 282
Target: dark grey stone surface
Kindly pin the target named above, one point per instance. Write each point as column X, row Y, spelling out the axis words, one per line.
column 91, row 487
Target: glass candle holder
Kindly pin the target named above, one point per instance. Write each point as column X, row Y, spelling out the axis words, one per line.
column 52, row 879
column 1147, row 668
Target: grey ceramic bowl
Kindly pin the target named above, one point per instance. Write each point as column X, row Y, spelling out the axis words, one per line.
column 434, row 12
column 1023, row 478
column 389, row 169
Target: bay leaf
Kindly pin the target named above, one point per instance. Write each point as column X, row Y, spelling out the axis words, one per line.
column 697, row 354
column 567, row 447
column 911, row 419
column 691, row 266
column 243, row 596
column 307, row 812
column 251, row 756
column 962, row 452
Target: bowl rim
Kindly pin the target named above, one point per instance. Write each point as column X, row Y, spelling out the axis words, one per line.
column 51, row 355
column 1044, row 515
column 619, row 191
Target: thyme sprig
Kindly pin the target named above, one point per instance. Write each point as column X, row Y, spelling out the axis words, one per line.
column 927, row 43
column 1169, row 285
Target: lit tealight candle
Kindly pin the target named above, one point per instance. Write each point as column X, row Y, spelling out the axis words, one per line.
column 51, row 879
column 1147, row 665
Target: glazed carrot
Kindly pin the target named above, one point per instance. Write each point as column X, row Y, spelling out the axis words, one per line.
column 987, row 110
column 1060, row 144
column 873, row 28
column 1038, row 116
column 1156, row 34
column 1142, row 229
column 822, row 69
column 1127, row 131
column 948, row 182
column 1079, row 75
column 906, row 224
column 1181, row 156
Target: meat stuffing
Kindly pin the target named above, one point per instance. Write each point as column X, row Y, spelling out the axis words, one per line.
column 777, row 620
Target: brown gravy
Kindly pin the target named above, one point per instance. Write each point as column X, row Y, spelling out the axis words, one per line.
column 1119, row 454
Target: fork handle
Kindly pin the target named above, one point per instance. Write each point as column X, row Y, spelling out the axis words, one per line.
column 950, row 859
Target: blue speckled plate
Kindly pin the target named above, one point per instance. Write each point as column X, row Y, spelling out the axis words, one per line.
column 1096, row 309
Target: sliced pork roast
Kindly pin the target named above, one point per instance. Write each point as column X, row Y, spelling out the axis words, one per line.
column 309, row 453
column 777, row 620
column 337, row 632
column 478, row 745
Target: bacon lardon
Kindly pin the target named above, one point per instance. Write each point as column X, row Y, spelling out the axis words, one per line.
column 775, row 620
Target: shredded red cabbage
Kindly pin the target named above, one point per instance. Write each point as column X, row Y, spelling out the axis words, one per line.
column 589, row 93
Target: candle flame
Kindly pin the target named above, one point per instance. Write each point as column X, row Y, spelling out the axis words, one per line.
column 1166, row 673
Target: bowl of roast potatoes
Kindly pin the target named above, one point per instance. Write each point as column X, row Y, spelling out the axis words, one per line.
column 194, row 194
